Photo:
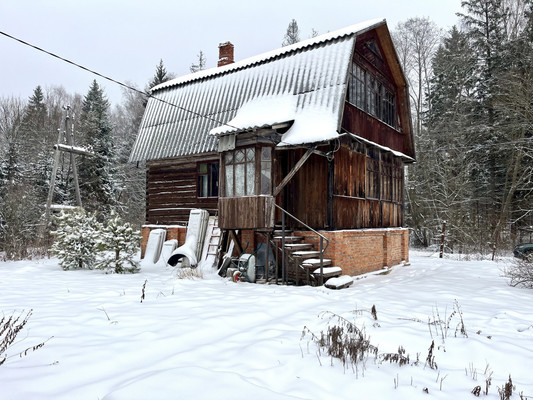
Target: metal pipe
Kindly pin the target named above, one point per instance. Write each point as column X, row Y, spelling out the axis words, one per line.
column 283, row 266
column 321, row 281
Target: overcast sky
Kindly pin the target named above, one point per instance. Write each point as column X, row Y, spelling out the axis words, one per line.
column 126, row 39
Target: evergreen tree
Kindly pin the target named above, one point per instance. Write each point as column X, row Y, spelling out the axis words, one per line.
column 292, row 35
column 75, row 239
column 37, row 149
column 96, row 173
column 118, row 243
column 442, row 186
column 161, row 75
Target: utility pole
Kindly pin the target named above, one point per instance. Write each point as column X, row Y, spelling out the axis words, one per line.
column 69, row 148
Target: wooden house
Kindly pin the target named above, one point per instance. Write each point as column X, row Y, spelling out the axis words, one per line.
column 315, row 134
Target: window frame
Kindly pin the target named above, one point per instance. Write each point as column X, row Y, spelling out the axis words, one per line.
column 371, row 93
column 212, row 176
column 262, row 164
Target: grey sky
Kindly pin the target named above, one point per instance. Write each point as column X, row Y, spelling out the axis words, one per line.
column 126, row 39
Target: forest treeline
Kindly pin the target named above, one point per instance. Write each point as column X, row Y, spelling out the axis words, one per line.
column 471, row 92
column 29, row 129
column 472, row 106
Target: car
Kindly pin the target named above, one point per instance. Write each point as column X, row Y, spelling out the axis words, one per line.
column 524, row 251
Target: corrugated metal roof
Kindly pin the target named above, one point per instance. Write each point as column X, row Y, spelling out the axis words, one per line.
column 179, row 117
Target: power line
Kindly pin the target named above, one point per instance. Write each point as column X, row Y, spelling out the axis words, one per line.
column 114, row 80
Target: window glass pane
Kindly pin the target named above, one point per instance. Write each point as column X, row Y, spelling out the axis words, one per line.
column 239, row 179
column 250, row 154
column 250, row 178
column 202, row 168
column 213, row 180
column 266, row 154
column 266, row 167
column 202, row 185
column 229, row 181
column 239, row 156
column 228, row 158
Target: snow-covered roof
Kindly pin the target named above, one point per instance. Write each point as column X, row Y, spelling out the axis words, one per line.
column 305, row 83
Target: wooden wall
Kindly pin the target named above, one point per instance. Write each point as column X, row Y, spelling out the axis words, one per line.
column 249, row 212
column 366, row 126
column 306, row 195
column 171, row 191
column 352, row 207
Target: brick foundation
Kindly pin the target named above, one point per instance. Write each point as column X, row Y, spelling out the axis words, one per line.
column 173, row 232
column 363, row 250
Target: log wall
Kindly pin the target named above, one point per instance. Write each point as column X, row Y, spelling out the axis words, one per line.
column 171, row 191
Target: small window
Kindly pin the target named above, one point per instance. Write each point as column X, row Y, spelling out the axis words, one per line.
column 240, row 172
column 208, row 180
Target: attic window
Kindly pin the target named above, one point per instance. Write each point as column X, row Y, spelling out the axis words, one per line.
column 373, row 47
column 372, row 94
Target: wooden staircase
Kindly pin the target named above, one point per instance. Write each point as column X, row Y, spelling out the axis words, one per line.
column 303, row 261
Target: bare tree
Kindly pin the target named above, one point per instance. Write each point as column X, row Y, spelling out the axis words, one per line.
column 131, row 182
column 416, row 41
column 200, row 65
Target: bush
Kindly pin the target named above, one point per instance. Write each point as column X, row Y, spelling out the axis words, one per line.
column 118, row 243
column 520, row 273
column 10, row 327
column 82, row 242
column 75, row 239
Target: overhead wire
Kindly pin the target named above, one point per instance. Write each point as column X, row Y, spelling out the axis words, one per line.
column 129, row 87
column 149, row 95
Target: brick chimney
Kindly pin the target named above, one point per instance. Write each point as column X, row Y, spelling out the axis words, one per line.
column 225, row 54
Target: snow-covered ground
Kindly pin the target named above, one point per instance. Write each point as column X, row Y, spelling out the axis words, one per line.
column 213, row 339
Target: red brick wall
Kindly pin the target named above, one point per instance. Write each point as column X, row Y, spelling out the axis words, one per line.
column 173, row 232
column 361, row 251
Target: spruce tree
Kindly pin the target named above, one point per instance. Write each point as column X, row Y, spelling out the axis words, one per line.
column 292, row 35
column 117, row 243
column 161, row 75
column 95, row 132
column 37, row 148
column 75, row 239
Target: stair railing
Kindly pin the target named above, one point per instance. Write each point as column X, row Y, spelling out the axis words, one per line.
column 322, row 248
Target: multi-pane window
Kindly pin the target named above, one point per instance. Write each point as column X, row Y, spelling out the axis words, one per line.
column 397, row 183
column 369, row 93
column 384, row 176
column 240, row 172
column 248, row 172
column 386, row 181
column 372, row 173
column 208, row 179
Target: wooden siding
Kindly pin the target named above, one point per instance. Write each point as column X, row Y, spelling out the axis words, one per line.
column 351, row 206
column 382, row 65
column 368, row 127
column 249, row 212
column 306, row 195
column 372, row 60
column 171, row 192
column 352, row 213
